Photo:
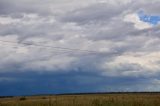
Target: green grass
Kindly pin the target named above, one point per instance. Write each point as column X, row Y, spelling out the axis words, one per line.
column 86, row 100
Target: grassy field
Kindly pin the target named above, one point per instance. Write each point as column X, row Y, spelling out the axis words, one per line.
column 131, row 99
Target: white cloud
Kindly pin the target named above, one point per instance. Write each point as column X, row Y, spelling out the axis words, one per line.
column 111, row 27
column 134, row 64
column 8, row 20
column 133, row 18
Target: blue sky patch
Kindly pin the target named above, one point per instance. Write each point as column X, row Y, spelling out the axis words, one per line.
column 154, row 20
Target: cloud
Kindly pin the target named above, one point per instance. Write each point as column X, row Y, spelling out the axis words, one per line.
column 71, row 82
column 126, row 46
column 135, row 64
column 138, row 23
column 107, row 28
column 94, row 13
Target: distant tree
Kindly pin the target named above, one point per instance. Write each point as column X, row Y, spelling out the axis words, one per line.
column 22, row 98
column 44, row 98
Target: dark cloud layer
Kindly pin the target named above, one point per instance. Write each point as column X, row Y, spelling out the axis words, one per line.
column 71, row 82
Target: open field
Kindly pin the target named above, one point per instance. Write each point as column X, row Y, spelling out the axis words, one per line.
column 121, row 99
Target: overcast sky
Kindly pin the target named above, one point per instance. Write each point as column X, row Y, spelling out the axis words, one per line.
column 123, row 38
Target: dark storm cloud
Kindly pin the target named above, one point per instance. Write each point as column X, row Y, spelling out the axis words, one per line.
column 71, row 82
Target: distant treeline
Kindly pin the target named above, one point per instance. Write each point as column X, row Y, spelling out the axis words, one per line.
column 109, row 93
column 6, row 96
column 87, row 93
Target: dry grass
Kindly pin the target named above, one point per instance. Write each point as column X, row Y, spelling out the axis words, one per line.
column 86, row 100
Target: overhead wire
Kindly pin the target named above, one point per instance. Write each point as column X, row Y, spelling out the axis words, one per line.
column 55, row 53
column 68, row 50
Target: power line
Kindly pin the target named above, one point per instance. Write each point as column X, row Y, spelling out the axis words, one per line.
column 57, row 52
column 53, row 47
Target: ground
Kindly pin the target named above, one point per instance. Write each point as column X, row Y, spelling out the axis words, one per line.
column 114, row 99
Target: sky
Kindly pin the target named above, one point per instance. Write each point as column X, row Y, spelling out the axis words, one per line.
column 83, row 46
